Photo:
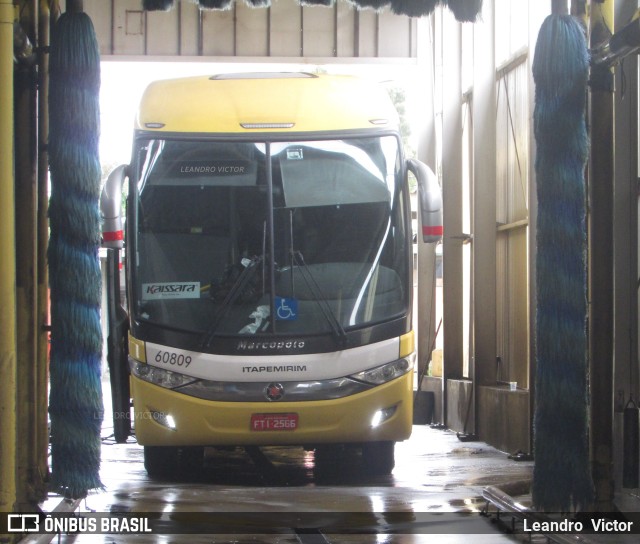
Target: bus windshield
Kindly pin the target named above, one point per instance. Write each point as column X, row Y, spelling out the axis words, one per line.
column 260, row 238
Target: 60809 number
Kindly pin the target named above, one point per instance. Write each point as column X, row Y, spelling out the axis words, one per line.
column 173, row 358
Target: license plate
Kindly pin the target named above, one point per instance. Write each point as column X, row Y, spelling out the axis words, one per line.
column 274, row 422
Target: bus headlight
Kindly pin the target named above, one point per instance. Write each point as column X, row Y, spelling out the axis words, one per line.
column 166, row 420
column 159, row 376
column 380, row 416
column 385, row 373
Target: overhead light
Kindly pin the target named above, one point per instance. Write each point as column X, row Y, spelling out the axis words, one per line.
column 266, row 125
column 264, row 75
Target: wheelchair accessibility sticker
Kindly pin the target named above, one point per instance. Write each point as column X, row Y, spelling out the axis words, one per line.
column 286, row 309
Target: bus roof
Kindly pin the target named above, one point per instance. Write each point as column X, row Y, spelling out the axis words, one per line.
column 265, row 102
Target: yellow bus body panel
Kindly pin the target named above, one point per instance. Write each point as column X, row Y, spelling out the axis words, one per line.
column 200, row 422
column 309, row 103
column 266, row 104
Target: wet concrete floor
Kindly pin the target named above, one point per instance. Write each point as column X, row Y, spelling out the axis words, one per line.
column 273, row 495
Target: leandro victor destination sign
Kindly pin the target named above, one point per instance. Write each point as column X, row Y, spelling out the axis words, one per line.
column 211, row 168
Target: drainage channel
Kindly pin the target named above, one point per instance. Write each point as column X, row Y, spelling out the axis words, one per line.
column 268, row 471
column 311, row 536
column 511, row 516
column 271, row 476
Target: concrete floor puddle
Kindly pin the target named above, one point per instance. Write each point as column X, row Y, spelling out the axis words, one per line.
column 434, row 490
column 275, row 495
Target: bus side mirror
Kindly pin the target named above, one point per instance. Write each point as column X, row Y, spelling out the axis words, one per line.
column 430, row 199
column 111, row 208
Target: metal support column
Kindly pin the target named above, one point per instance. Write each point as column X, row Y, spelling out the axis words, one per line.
column 42, row 318
column 7, row 267
column 25, row 210
column 600, row 236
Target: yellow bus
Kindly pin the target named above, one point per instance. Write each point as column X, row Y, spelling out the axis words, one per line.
column 268, row 268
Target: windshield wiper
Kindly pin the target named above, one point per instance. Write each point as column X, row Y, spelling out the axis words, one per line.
column 234, row 293
column 336, row 327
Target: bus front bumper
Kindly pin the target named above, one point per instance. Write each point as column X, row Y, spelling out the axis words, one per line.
column 163, row 417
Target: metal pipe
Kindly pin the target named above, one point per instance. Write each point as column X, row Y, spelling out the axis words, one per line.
column 600, row 266
column 506, row 504
column 65, row 506
column 111, row 208
column 559, row 7
column 7, row 266
column 75, row 6
column 623, row 43
column 25, row 214
column 42, row 220
column 22, row 46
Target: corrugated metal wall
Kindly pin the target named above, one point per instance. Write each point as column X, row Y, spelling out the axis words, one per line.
column 284, row 30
